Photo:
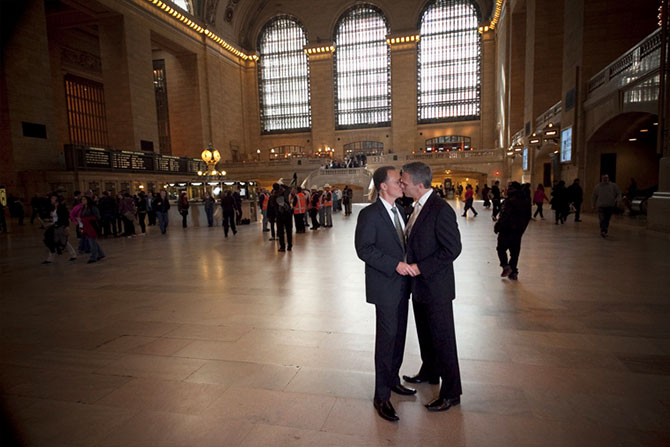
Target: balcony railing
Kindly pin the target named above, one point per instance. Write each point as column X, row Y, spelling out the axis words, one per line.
column 455, row 156
column 632, row 65
column 552, row 115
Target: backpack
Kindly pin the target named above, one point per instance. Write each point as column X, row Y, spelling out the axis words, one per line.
column 282, row 205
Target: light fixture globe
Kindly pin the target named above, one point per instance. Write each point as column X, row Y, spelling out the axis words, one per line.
column 216, row 156
column 206, row 156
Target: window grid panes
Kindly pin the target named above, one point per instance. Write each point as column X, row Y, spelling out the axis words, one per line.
column 449, row 57
column 85, row 104
column 362, row 73
column 284, row 77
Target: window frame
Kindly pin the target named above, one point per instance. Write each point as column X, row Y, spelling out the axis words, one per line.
column 478, row 90
column 259, row 70
column 341, row 19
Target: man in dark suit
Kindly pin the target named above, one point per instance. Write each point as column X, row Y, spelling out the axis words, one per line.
column 380, row 243
column 433, row 243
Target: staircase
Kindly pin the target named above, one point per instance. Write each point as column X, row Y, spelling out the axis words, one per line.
column 358, row 180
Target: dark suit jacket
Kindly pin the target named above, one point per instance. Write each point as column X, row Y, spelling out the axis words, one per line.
column 434, row 243
column 377, row 244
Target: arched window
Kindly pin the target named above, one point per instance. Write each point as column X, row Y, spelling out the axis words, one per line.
column 184, row 4
column 449, row 62
column 283, row 77
column 362, row 73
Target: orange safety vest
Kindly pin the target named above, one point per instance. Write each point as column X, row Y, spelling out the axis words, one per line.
column 302, row 204
column 327, row 202
column 266, row 199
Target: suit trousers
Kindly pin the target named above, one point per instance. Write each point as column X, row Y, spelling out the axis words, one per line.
column 443, row 336
column 389, row 346
column 428, row 366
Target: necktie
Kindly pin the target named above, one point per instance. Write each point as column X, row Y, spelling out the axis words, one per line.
column 398, row 227
column 412, row 219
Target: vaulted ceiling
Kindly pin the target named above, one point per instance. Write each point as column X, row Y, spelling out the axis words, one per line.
column 241, row 20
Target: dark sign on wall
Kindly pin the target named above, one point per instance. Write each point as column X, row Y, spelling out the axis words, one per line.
column 92, row 158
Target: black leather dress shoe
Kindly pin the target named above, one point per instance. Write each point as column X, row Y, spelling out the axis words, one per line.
column 403, row 390
column 443, row 404
column 420, row 379
column 386, row 410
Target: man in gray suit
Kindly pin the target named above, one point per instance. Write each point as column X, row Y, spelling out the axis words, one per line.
column 433, row 243
column 380, row 243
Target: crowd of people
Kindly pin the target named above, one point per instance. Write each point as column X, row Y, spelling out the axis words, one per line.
column 285, row 205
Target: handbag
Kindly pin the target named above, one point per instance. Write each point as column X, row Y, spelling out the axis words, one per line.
column 129, row 215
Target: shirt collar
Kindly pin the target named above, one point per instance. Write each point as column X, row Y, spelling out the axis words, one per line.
column 422, row 200
column 387, row 205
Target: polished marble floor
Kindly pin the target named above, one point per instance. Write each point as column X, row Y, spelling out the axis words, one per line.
column 191, row 339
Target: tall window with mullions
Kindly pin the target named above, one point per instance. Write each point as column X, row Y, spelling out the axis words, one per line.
column 283, row 77
column 449, row 59
column 362, row 62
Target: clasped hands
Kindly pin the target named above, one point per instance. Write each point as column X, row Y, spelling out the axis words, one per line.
column 405, row 269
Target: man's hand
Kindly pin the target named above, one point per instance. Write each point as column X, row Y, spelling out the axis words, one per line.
column 404, row 269
column 414, row 270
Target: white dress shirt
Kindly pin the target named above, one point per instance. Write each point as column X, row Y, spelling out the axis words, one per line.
column 389, row 207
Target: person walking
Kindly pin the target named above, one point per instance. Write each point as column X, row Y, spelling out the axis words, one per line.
column 151, row 213
column 538, row 199
column 510, row 227
column 161, row 205
column 605, row 198
column 495, row 200
column 315, row 203
column 182, row 207
column 128, row 211
column 272, row 211
column 469, row 198
column 90, row 219
column 485, row 196
column 347, row 196
column 380, row 243
column 327, row 206
column 209, row 208
column 56, row 234
column 228, row 213
column 141, row 204
column 284, row 220
column 433, row 244
column 559, row 202
column 576, row 197
column 263, row 201
column 108, row 211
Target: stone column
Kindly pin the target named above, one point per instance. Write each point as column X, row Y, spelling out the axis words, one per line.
column 404, row 96
column 125, row 48
column 321, row 91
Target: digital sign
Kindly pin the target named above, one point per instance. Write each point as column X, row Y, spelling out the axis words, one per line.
column 566, row 144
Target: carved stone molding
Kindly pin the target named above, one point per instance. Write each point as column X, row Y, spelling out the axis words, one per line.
column 81, row 59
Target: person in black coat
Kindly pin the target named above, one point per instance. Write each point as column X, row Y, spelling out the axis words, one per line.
column 495, row 199
column 514, row 217
column 576, row 197
column 560, row 202
column 433, row 243
column 284, row 218
column 228, row 211
column 379, row 242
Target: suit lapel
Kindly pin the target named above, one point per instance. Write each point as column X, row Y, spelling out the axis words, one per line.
column 385, row 216
column 425, row 211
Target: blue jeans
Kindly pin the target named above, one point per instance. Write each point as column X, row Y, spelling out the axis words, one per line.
column 265, row 219
column 96, row 250
column 162, row 221
column 210, row 216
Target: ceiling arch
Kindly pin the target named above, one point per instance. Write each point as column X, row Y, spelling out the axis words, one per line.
column 241, row 20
